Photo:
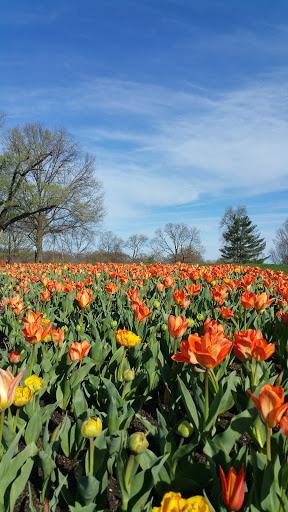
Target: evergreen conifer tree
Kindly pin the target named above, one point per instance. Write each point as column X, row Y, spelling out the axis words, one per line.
column 242, row 243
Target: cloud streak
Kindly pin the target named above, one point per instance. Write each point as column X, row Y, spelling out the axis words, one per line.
column 170, row 147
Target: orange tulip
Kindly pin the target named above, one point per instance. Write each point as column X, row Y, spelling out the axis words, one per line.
column 14, row 301
column 84, row 298
column 282, row 303
column 111, row 288
column 141, row 313
column 219, row 293
column 178, row 296
column 34, row 332
column 78, row 350
column 233, row 488
column 270, row 404
column 79, row 285
column 57, row 336
column 248, row 300
column 194, row 275
column 19, row 308
column 177, row 326
column 169, row 282
column 225, row 312
column 284, row 425
column 284, row 317
column 193, row 289
column 45, row 296
column 250, row 344
column 160, row 287
column 212, row 326
column 136, row 302
column 208, row 351
column 132, row 294
column 263, row 350
column 32, row 317
column 247, row 281
column 262, row 301
column 185, row 303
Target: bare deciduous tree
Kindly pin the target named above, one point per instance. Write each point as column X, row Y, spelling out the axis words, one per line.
column 75, row 243
column 178, row 242
column 136, row 243
column 280, row 253
column 110, row 247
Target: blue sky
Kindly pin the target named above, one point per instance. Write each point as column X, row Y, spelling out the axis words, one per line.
column 183, row 103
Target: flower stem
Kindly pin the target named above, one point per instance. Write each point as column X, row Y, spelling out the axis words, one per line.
column 124, row 390
column 16, row 419
column 245, row 316
column 268, row 444
column 127, row 477
column 1, row 425
column 175, row 345
column 255, row 374
column 206, row 396
column 91, row 466
column 81, row 317
column 252, row 373
column 17, row 329
column 32, row 360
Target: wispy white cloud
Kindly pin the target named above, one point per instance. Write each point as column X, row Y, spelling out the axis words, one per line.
column 171, row 147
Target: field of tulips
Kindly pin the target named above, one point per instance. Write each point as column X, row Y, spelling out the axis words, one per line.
column 143, row 388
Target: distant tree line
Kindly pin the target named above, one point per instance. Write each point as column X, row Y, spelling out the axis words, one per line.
column 52, row 208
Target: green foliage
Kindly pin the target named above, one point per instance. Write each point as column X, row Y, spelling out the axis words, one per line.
column 242, row 243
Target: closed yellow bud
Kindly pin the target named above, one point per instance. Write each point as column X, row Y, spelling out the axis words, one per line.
column 185, row 429
column 91, row 428
column 138, row 443
column 129, row 375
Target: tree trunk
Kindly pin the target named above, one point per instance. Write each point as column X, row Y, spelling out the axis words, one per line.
column 39, row 239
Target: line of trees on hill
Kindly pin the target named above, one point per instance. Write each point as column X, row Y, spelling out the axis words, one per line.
column 52, row 209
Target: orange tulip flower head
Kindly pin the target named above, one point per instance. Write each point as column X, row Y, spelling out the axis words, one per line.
column 177, row 326
column 270, row 404
column 233, row 488
column 84, row 298
column 208, row 351
column 78, row 350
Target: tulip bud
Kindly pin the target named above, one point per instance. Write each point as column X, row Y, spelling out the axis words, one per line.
column 113, row 324
column 14, row 357
column 213, row 283
column 138, row 443
column 200, row 316
column 185, row 429
column 279, row 379
column 156, row 304
column 129, row 375
column 191, row 322
column 164, row 327
column 91, row 428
